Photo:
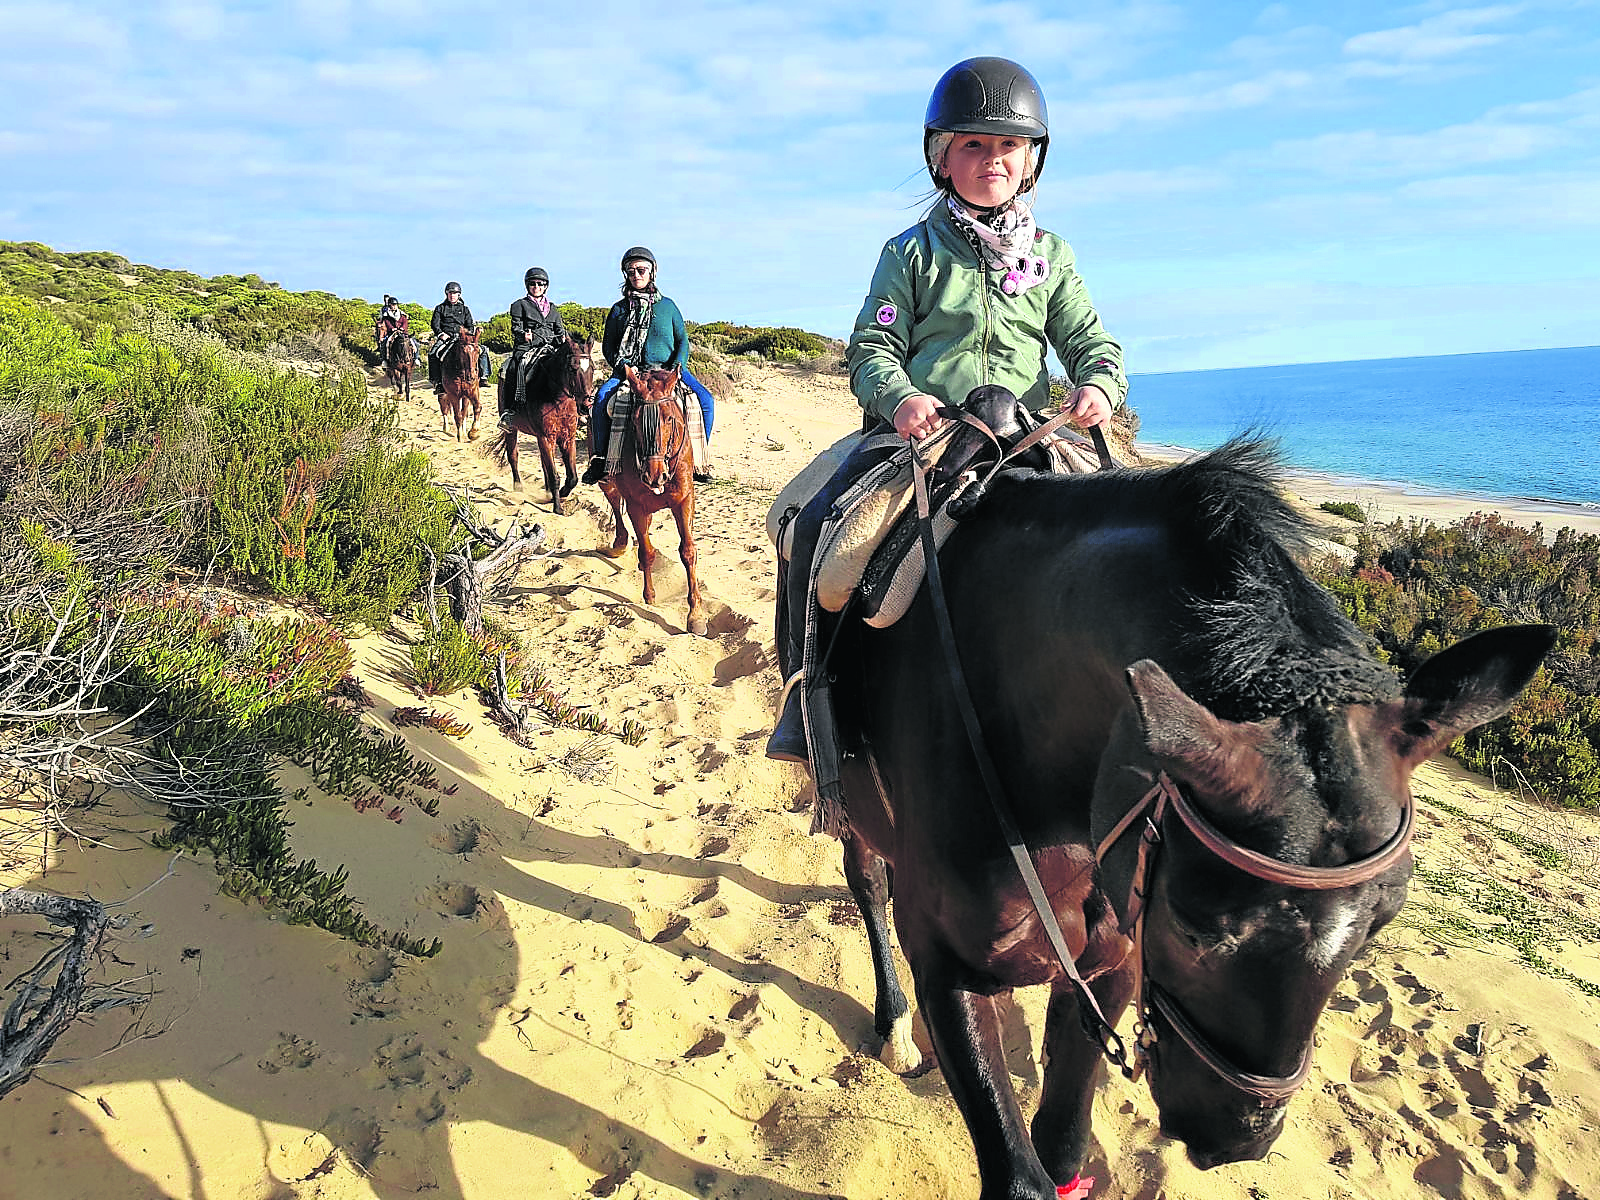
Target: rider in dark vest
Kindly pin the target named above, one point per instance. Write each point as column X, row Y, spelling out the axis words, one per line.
column 536, row 329
column 450, row 317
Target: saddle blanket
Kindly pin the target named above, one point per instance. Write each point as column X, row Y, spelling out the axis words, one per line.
column 621, row 409
column 867, row 513
column 864, row 516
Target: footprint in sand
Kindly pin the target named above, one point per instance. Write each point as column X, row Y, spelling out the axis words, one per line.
column 291, row 1053
column 461, row 838
column 454, row 899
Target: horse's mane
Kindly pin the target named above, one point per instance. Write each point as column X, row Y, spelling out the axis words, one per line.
column 1265, row 639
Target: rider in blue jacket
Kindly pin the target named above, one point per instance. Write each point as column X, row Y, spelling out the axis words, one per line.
column 644, row 330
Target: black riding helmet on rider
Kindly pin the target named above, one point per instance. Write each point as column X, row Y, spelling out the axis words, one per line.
column 991, row 96
column 534, row 275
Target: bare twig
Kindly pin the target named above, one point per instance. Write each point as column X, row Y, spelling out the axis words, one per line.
column 40, row 1014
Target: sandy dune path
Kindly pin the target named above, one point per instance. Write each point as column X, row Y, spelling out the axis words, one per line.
column 653, row 982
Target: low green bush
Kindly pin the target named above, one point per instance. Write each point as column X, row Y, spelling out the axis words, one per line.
column 1345, row 509
column 447, row 659
column 1416, row 588
column 780, row 345
column 586, row 321
column 495, row 333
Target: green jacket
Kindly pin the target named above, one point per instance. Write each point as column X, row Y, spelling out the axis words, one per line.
column 935, row 321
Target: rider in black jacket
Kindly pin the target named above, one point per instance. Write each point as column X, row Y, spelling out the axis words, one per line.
column 536, row 328
column 450, row 317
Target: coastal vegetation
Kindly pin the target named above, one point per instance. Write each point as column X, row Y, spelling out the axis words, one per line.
column 1416, row 587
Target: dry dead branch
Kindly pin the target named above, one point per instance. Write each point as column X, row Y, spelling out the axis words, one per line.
column 467, row 579
column 43, row 1010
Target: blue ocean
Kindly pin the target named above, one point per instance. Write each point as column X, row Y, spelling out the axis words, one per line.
column 1521, row 424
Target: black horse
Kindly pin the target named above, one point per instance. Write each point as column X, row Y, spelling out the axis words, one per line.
column 554, row 397
column 1141, row 645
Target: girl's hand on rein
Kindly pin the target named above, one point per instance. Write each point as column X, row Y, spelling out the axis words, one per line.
column 918, row 416
column 1090, row 407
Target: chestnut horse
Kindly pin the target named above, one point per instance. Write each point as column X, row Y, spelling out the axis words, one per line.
column 656, row 472
column 1180, row 732
column 559, row 388
column 397, row 360
column 459, row 374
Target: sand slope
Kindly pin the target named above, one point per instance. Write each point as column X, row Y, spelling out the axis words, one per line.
column 654, row 983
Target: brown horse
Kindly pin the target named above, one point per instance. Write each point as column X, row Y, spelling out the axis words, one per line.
column 656, row 472
column 1194, row 749
column 459, row 374
column 559, row 387
column 397, row 360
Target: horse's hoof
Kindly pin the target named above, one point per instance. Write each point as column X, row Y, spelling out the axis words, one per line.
column 697, row 626
column 516, row 485
column 472, row 434
column 900, row 1053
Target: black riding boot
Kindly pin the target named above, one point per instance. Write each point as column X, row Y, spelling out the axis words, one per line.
column 596, row 470
column 788, row 740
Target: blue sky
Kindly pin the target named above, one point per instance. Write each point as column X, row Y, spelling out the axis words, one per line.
column 1242, row 183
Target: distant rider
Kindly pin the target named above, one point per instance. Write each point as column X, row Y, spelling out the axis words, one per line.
column 392, row 319
column 450, row 317
column 644, row 330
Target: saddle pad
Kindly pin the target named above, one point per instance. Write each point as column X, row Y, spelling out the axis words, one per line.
column 798, row 491
column 906, row 580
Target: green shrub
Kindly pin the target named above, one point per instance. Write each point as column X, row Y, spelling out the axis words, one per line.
column 1344, row 508
column 1416, row 588
column 773, row 343
column 496, row 333
column 589, row 322
column 708, row 371
column 447, row 659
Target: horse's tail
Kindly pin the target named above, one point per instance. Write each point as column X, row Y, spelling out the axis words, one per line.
column 498, row 448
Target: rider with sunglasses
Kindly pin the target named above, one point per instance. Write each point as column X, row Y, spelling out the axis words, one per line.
column 644, row 330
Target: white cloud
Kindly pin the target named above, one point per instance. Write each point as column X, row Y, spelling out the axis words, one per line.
column 1443, row 36
column 1367, row 153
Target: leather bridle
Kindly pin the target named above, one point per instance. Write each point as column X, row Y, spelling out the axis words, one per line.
column 1164, row 797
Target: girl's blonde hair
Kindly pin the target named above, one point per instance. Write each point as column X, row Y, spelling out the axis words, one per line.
column 937, row 144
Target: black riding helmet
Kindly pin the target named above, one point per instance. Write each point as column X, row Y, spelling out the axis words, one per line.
column 639, row 252
column 534, row 275
column 989, row 96
column 452, row 286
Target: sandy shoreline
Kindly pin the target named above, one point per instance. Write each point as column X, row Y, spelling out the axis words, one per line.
column 1388, row 500
column 654, row 985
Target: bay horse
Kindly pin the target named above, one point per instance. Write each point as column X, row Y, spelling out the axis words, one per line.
column 397, row 360
column 656, row 472
column 1200, row 758
column 459, row 373
column 557, row 391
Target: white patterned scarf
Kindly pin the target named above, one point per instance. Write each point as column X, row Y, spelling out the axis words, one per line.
column 1004, row 241
column 640, row 307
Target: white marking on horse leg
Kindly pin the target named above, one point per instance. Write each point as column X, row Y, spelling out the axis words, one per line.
column 900, row 1053
column 1325, row 950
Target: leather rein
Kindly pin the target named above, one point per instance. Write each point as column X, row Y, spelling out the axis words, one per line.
column 1163, row 798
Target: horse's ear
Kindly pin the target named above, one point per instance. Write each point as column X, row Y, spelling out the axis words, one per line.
column 1467, row 685
column 1218, row 759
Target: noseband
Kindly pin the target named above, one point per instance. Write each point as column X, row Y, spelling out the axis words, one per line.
column 660, row 432
column 1163, row 798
